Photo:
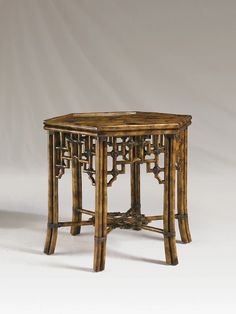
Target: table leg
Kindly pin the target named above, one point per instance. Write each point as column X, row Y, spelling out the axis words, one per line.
column 101, row 205
column 182, row 189
column 51, row 238
column 76, row 187
column 135, row 182
column 169, row 200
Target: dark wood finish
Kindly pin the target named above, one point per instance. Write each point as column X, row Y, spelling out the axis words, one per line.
column 85, row 141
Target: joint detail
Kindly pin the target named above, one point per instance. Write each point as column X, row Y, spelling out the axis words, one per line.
column 169, row 234
column 181, row 216
column 55, row 225
column 100, row 239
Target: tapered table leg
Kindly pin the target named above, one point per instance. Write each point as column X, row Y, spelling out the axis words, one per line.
column 169, row 200
column 135, row 181
column 76, row 186
column 51, row 238
column 182, row 189
column 101, row 205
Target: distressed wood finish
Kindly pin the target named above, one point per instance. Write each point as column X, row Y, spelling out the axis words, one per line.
column 101, row 205
column 51, row 238
column 119, row 123
column 182, row 189
column 76, row 187
column 169, row 200
column 135, row 180
column 84, row 142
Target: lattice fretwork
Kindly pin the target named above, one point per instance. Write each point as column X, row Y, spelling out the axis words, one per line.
column 131, row 149
column 86, row 150
column 122, row 151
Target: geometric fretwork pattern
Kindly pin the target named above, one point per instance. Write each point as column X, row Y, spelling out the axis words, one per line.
column 86, row 150
column 141, row 149
column 147, row 149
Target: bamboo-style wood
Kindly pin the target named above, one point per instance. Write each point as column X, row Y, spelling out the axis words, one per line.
column 157, row 217
column 51, row 238
column 85, row 141
column 87, row 212
column 111, row 214
column 182, row 189
column 101, row 205
column 76, row 187
column 153, row 229
column 70, row 224
column 135, row 180
column 169, row 200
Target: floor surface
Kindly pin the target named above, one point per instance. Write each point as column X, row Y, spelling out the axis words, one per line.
column 136, row 278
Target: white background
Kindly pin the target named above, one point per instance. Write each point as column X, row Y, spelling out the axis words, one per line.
column 58, row 57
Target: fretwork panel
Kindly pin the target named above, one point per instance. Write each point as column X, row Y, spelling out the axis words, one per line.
column 149, row 150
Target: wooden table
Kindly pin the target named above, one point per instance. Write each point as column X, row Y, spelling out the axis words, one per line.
column 85, row 141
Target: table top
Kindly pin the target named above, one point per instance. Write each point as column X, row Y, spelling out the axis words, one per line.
column 119, row 123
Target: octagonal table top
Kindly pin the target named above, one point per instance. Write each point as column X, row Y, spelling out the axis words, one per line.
column 119, row 123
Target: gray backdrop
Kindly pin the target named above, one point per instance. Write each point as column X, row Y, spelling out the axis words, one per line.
column 70, row 56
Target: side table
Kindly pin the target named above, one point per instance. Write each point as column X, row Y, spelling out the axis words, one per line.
column 85, row 141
